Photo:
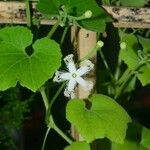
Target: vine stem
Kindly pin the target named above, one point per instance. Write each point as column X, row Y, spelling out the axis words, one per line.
column 44, row 97
column 54, row 28
column 106, row 64
column 93, row 51
column 63, row 35
column 45, row 137
column 118, row 69
column 62, row 134
column 123, row 85
column 28, row 13
column 56, row 95
column 48, row 107
column 144, row 61
column 54, row 126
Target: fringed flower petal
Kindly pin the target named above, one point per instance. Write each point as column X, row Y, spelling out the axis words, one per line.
column 61, row 76
column 86, row 66
column 74, row 76
column 70, row 63
column 69, row 93
column 87, row 85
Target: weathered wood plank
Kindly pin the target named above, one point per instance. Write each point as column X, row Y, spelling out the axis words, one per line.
column 84, row 41
column 129, row 17
column 122, row 24
column 15, row 12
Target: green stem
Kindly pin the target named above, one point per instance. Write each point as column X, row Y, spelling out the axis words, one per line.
column 63, row 35
column 45, row 99
column 123, row 76
column 106, row 65
column 118, row 69
column 91, row 53
column 54, row 126
column 48, row 109
column 62, row 134
column 123, row 85
column 28, row 13
column 54, row 28
column 129, row 75
column 56, row 95
column 45, row 137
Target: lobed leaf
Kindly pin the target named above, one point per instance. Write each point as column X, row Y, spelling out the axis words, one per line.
column 145, row 141
column 77, row 8
column 17, row 66
column 131, row 58
column 145, row 43
column 78, row 146
column 105, row 118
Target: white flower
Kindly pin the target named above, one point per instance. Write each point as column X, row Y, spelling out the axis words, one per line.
column 74, row 76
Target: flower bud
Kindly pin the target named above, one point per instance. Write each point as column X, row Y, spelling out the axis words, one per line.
column 100, row 43
column 88, row 14
column 123, row 45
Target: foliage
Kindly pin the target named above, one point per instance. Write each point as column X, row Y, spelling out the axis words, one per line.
column 79, row 146
column 24, row 67
column 136, row 59
column 105, row 115
column 31, row 62
column 72, row 12
column 145, row 142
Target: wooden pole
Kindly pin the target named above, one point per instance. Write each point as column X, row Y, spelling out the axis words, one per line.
column 84, row 41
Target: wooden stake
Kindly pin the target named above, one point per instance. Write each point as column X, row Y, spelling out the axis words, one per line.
column 84, row 41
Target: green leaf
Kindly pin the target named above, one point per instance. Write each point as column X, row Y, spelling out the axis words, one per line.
column 145, row 42
column 17, row 66
column 78, row 146
column 77, row 8
column 49, row 7
column 131, row 142
column 134, row 3
column 129, row 55
column 105, row 118
column 128, row 145
column 131, row 58
column 143, row 148
column 96, row 22
column 145, row 141
column 143, row 75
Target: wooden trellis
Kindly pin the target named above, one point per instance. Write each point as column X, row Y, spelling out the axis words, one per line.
column 125, row 17
column 129, row 17
column 15, row 13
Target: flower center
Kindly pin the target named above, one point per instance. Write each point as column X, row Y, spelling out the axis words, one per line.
column 74, row 75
